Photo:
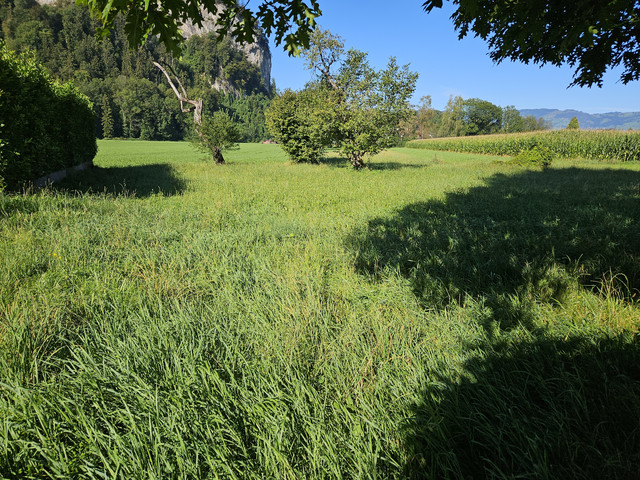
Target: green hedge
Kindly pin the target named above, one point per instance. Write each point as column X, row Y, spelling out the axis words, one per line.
column 593, row 144
column 44, row 125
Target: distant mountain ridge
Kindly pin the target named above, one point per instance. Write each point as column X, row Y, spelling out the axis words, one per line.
column 611, row 120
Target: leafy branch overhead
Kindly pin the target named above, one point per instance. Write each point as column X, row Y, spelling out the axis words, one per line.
column 591, row 36
column 290, row 21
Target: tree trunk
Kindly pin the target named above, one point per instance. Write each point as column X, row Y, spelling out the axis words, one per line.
column 356, row 161
column 217, row 157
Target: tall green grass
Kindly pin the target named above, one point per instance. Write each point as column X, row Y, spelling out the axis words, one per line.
column 592, row 144
column 436, row 316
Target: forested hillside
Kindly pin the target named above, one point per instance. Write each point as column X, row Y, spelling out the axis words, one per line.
column 130, row 96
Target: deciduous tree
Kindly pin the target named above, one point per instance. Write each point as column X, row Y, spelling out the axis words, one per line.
column 301, row 122
column 367, row 105
column 591, row 36
column 481, row 117
column 216, row 133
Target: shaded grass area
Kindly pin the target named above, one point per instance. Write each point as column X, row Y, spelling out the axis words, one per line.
column 541, row 406
column 544, row 394
column 463, row 319
column 138, row 181
column 528, row 236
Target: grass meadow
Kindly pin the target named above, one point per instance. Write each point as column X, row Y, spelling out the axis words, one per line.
column 437, row 315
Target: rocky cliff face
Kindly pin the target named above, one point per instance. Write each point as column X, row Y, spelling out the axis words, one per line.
column 257, row 53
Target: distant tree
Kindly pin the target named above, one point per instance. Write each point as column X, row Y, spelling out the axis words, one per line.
column 427, row 119
column 532, row 124
column 452, row 124
column 511, row 120
column 573, row 124
column 216, row 133
column 591, row 36
column 107, row 118
column 481, row 117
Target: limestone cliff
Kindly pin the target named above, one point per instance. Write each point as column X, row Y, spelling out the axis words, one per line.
column 257, row 53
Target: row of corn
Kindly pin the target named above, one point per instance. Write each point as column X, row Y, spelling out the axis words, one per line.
column 593, row 144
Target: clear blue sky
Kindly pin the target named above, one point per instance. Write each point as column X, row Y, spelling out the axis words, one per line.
column 448, row 66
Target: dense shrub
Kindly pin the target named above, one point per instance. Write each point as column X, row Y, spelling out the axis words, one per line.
column 48, row 126
column 295, row 121
column 534, row 157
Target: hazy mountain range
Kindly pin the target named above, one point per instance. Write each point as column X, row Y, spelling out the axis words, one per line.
column 561, row 118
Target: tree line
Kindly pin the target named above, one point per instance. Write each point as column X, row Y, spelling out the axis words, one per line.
column 468, row 117
column 129, row 96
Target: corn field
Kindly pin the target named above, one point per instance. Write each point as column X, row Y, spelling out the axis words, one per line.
column 598, row 145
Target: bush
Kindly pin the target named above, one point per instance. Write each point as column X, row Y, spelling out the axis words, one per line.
column 536, row 156
column 295, row 121
column 48, row 126
column 218, row 132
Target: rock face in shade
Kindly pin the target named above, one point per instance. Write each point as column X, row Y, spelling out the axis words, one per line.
column 257, row 53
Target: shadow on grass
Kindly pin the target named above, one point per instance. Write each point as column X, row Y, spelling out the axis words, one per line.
column 518, row 240
column 139, row 181
column 527, row 403
column 340, row 162
column 541, row 408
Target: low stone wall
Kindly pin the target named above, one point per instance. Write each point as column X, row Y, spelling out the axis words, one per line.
column 61, row 174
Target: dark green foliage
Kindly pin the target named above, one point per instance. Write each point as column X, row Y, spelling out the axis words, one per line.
column 48, row 125
column 481, row 117
column 536, row 156
column 107, row 118
column 138, row 101
column 590, row 36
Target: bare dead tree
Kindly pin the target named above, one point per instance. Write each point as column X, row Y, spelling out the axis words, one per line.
column 191, row 105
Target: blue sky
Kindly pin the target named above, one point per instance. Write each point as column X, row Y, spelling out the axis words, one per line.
column 448, row 66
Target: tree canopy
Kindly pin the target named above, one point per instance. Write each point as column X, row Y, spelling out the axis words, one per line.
column 591, row 36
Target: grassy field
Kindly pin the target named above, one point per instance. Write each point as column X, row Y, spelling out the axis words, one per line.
column 438, row 315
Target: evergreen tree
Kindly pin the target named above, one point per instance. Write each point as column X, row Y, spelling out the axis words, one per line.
column 573, row 124
column 107, row 118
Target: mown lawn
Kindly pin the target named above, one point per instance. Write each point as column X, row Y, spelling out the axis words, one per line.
column 437, row 315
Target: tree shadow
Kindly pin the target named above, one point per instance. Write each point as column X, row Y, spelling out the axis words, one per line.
column 525, row 402
column 519, row 239
column 139, row 181
column 341, row 162
column 540, row 408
